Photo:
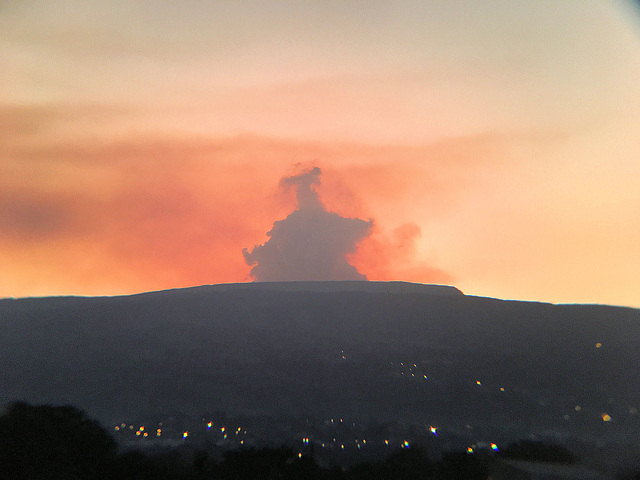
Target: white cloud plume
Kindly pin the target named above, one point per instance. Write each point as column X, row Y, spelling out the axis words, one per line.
column 311, row 243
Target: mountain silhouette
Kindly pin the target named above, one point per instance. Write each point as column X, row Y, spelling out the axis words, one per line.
column 368, row 351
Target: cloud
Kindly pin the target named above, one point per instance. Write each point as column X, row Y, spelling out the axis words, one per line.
column 141, row 212
column 311, row 243
column 394, row 256
column 29, row 217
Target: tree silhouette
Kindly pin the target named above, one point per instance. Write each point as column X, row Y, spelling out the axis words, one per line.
column 52, row 442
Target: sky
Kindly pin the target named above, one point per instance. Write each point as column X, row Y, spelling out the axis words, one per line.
column 493, row 146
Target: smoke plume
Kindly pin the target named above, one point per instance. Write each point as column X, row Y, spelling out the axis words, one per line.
column 311, row 243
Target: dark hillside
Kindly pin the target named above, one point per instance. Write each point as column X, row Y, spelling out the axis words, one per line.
column 384, row 352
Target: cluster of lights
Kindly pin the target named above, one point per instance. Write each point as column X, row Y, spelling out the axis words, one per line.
column 122, row 426
column 361, row 443
column 472, row 448
column 140, row 432
column 364, row 442
column 413, row 374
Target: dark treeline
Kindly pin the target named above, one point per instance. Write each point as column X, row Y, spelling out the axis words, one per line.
column 61, row 442
column 52, row 442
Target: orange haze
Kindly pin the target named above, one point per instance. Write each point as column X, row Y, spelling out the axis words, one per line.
column 495, row 147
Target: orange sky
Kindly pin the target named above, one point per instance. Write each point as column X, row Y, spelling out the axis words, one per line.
column 495, row 147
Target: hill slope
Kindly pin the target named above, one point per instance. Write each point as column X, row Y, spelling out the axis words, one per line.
column 365, row 350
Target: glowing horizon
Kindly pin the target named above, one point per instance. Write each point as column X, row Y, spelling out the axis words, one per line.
column 495, row 148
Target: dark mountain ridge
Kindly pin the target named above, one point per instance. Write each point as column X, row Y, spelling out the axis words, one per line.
column 368, row 351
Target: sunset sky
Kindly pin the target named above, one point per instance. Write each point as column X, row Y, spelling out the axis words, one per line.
column 495, row 145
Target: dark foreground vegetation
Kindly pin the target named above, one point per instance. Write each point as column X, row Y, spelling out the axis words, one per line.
column 51, row 442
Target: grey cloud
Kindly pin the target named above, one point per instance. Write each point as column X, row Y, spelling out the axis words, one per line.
column 311, row 243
